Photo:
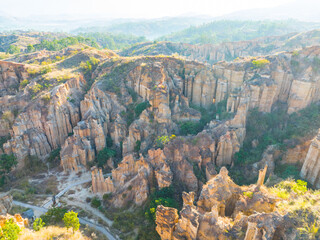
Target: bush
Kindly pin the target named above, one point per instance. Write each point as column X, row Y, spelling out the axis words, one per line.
column 8, row 116
column 165, row 197
column 13, row 49
column 38, row 224
column 71, row 220
column 24, row 83
column 45, row 70
column 260, row 63
column 10, row 230
column 190, row 127
column 163, row 140
column 36, row 88
column 107, row 196
column 141, row 107
column 137, row 146
column 95, row 202
column 248, row 194
column 104, row 155
column 7, row 163
column 54, row 216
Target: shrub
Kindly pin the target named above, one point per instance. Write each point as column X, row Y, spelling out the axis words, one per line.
column 54, row 216
column 8, row 116
column 71, row 220
column 137, row 146
column 190, row 127
column 260, row 63
column 199, row 173
column 165, row 197
column 13, row 49
column 24, row 83
column 38, row 224
column 163, row 140
column 46, row 98
column 36, row 88
column 45, row 70
column 10, row 230
column 104, row 155
column 95, row 202
column 107, row 196
column 7, row 162
column 248, row 194
column 141, row 107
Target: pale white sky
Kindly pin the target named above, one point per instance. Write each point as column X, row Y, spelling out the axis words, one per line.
column 131, row 8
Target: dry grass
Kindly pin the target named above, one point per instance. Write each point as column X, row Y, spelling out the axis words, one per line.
column 52, row 232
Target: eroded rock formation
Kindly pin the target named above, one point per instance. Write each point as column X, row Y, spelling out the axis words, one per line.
column 220, row 202
column 5, row 203
column 311, row 166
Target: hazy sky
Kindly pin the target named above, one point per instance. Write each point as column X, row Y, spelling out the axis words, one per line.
column 131, row 8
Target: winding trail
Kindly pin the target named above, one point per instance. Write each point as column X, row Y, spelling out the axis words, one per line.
column 44, row 209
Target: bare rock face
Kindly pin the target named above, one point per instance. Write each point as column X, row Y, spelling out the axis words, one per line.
column 5, row 203
column 41, row 128
column 100, row 113
column 297, row 155
column 311, row 167
column 263, row 226
column 163, row 173
column 166, row 219
column 11, row 74
column 130, row 182
column 99, row 184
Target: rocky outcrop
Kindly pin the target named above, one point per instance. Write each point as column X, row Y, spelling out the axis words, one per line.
column 5, row 203
column 222, row 206
column 99, row 183
column 11, row 74
column 42, row 127
column 21, row 222
column 166, row 219
column 263, row 226
column 311, row 166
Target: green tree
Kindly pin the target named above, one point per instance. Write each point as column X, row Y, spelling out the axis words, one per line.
column 13, row 49
column 38, row 224
column 104, row 155
column 71, row 220
column 53, row 216
column 7, row 162
column 30, row 48
column 10, row 230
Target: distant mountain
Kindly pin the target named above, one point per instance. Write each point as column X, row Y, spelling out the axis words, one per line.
column 237, row 30
column 150, row 28
column 303, row 10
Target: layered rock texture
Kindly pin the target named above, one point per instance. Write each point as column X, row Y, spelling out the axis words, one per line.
column 5, row 203
column 219, row 202
column 80, row 122
column 311, row 166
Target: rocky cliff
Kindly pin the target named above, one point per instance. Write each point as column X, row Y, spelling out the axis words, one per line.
column 311, row 166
